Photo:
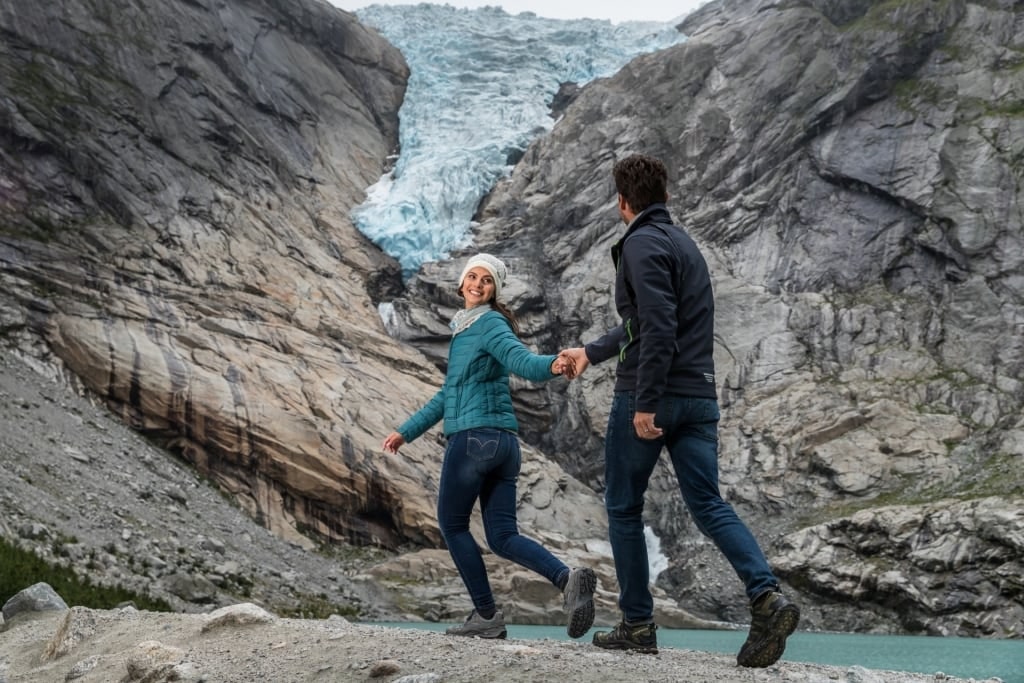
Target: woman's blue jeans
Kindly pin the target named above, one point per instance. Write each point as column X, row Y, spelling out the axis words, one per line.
column 690, row 427
column 484, row 464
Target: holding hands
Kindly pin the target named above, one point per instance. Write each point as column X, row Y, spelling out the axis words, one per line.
column 574, row 360
column 570, row 363
column 565, row 366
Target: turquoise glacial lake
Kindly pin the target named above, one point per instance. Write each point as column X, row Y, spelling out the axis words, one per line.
column 961, row 657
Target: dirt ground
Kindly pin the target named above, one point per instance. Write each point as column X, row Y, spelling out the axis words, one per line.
column 243, row 643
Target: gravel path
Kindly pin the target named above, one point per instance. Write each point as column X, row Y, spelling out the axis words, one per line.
column 124, row 645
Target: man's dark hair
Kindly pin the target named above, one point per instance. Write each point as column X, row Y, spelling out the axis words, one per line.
column 641, row 180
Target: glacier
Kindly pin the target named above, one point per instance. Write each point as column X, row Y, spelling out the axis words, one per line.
column 479, row 92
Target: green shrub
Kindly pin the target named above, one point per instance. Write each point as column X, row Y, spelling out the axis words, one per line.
column 20, row 568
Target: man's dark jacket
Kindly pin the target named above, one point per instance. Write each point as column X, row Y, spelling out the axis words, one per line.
column 663, row 294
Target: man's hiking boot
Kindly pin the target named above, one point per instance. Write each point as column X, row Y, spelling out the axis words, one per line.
column 579, row 601
column 476, row 626
column 772, row 619
column 638, row 638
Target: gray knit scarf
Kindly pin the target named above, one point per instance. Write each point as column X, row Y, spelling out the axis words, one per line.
column 466, row 317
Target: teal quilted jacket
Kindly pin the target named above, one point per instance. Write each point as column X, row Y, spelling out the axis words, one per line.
column 475, row 392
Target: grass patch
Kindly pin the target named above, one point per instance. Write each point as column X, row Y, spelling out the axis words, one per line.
column 891, row 15
column 349, row 556
column 910, row 93
column 1008, row 109
column 900, row 495
column 1000, row 474
column 316, row 607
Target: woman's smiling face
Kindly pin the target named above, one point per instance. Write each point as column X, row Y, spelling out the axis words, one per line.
column 477, row 287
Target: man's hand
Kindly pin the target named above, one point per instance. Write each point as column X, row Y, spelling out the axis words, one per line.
column 579, row 360
column 643, row 423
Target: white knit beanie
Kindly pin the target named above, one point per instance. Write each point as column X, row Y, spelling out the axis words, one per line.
column 494, row 265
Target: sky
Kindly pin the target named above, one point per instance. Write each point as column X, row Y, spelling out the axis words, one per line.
column 615, row 10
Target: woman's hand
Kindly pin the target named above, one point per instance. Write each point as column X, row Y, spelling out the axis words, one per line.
column 392, row 442
column 564, row 365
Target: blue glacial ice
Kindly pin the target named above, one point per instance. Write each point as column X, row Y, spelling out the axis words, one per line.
column 479, row 92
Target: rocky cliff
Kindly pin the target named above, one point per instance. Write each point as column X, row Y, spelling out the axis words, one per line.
column 176, row 183
column 174, row 236
column 853, row 172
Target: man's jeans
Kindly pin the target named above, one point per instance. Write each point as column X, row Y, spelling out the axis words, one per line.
column 690, row 427
column 484, row 464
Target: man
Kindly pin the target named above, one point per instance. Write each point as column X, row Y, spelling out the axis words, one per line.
column 665, row 396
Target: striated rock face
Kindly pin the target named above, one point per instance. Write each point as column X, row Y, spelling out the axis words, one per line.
column 174, row 192
column 853, row 173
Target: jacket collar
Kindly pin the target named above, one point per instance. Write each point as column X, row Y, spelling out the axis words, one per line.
column 655, row 213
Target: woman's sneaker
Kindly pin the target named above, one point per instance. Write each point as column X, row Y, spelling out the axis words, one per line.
column 476, row 626
column 579, row 601
column 772, row 619
column 636, row 637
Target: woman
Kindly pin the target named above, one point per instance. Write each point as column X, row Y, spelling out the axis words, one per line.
column 482, row 459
